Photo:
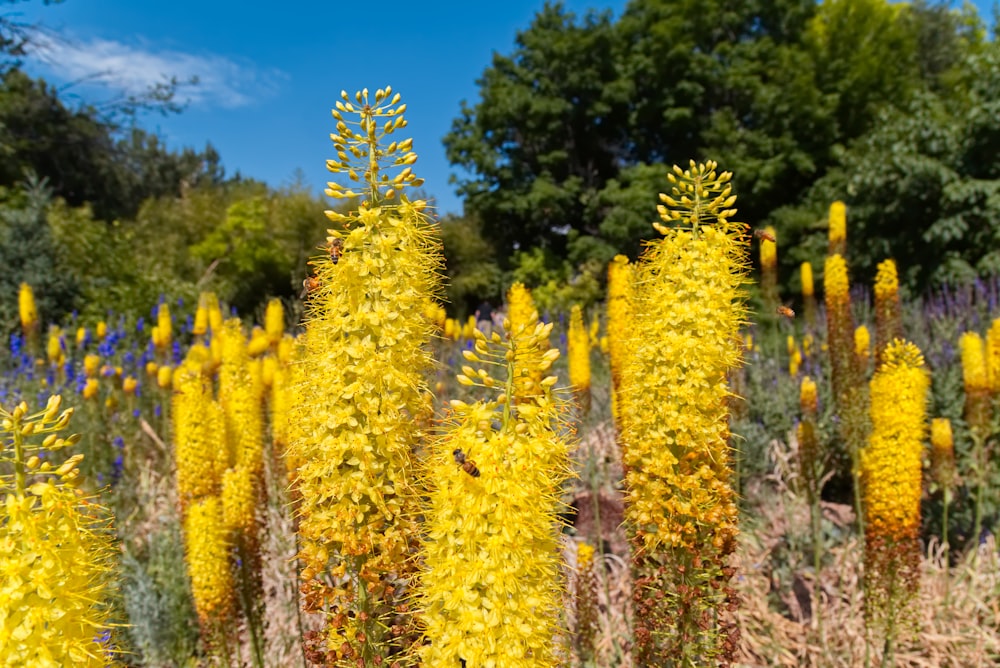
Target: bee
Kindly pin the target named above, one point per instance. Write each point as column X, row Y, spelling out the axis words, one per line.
column 785, row 311
column 764, row 234
column 335, row 246
column 467, row 464
column 310, row 285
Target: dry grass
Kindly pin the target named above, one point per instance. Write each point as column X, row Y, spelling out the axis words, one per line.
column 958, row 609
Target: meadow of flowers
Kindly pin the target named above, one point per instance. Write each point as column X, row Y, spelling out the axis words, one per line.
column 707, row 470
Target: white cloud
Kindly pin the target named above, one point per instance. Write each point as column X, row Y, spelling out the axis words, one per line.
column 132, row 69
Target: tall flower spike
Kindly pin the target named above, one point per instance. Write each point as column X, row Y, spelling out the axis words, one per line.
column 578, row 343
column 688, row 306
column 838, row 228
column 274, row 321
column 850, row 394
column 363, row 370
column 769, row 266
column 28, row 311
column 978, row 414
column 491, row 588
column 891, row 474
column 619, row 299
column 808, row 294
column 888, row 317
column 993, row 357
column 56, row 548
column 381, row 171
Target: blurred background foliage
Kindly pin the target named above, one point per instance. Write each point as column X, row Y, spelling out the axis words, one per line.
column 890, row 107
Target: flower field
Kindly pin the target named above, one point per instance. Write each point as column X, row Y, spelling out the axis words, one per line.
column 707, row 468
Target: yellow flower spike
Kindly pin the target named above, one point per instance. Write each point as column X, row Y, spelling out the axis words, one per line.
column 81, row 336
column 274, row 321
column 54, row 350
column 578, row 342
column 806, row 274
column 240, row 394
column 260, row 342
column 976, row 379
column 207, row 555
column 91, row 364
column 769, row 264
column 891, row 476
column 163, row 377
column 101, row 331
column 198, row 426
column 214, row 309
column 366, row 349
column 152, row 368
column 491, row 553
column 200, row 325
column 993, row 357
column 942, row 453
column 520, row 307
column 164, row 326
column 847, row 375
column 687, row 308
column 57, row 555
column 862, row 343
column 838, row 228
column 27, row 309
column 90, row 388
column 129, row 385
column 888, row 312
column 619, row 295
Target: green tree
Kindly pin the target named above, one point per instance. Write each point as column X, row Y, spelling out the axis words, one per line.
column 923, row 187
column 549, row 131
column 472, row 271
column 28, row 253
column 564, row 147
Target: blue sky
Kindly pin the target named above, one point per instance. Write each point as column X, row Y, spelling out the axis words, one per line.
column 271, row 72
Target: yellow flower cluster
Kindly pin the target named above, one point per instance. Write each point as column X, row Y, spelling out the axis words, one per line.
column 794, row 356
column 977, row 382
column 363, row 382
column 491, row 586
column 993, row 356
column 208, row 546
column 520, row 307
column 688, row 306
column 806, row 272
column 862, row 343
column 942, row 453
column 55, row 348
column 56, row 550
column 619, row 296
column 891, row 464
column 27, row 309
column 891, row 477
column 578, row 353
column 838, row 228
column 274, row 321
column 888, row 315
column 198, row 430
column 768, row 249
column 162, row 333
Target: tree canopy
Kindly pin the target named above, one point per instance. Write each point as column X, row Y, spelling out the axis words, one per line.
column 572, row 134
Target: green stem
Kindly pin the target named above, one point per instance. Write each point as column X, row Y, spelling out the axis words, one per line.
column 19, row 472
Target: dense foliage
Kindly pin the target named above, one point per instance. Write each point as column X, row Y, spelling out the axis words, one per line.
column 888, row 106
